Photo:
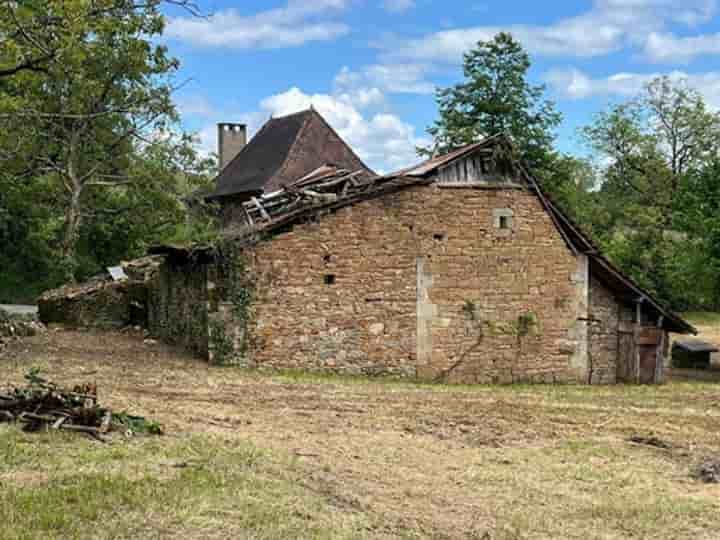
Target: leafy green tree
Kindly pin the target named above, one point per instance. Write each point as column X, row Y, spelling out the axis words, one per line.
column 698, row 215
column 652, row 141
column 496, row 97
column 658, row 150
column 33, row 36
column 88, row 122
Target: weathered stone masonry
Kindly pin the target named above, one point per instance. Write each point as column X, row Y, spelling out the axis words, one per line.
column 421, row 283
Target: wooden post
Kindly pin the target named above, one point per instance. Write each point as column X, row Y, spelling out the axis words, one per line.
column 638, row 329
column 660, row 354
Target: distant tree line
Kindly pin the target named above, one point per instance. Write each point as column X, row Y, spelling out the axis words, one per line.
column 649, row 194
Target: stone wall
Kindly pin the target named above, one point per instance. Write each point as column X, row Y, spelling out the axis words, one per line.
column 99, row 304
column 423, row 283
column 608, row 316
column 603, row 333
column 178, row 306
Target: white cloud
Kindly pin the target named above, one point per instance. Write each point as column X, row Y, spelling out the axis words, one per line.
column 380, row 138
column 574, row 84
column 670, row 48
column 398, row 6
column 383, row 140
column 392, row 78
column 609, row 26
column 298, row 22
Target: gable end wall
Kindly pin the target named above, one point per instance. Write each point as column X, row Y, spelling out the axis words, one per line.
column 422, row 284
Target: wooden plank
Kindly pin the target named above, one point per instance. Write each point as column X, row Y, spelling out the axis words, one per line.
column 660, row 360
column 260, row 208
column 649, row 336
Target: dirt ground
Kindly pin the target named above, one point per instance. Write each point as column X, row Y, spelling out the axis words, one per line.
column 430, row 461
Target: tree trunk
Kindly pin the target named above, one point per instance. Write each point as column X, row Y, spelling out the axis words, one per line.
column 71, row 231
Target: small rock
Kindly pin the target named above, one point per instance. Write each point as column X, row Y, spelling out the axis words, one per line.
column 709, row 472
column 150, row 341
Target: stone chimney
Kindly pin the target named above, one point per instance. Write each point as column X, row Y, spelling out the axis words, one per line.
column 231, row 139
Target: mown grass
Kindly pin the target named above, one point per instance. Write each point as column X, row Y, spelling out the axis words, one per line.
column 703, row 317
column 298, row 455
column 63, row 486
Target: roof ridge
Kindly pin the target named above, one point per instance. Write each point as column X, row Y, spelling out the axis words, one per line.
column 297, row 113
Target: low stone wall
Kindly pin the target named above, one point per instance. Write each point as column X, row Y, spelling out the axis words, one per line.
column 103, row 304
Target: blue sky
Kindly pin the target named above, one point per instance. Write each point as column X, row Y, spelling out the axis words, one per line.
column 370, row 66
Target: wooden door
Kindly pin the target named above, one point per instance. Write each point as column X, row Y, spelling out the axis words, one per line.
column 626, row 357
column 648, row 363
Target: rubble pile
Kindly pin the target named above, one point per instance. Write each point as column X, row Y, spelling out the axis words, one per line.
column 42, row 404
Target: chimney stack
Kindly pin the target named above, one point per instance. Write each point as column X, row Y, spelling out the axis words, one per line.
column 231, row 139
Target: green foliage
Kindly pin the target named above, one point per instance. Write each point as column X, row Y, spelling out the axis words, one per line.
column 655, row 212
column 527, row 324
column 494, row 98
column 136, row 424
column 93, row 167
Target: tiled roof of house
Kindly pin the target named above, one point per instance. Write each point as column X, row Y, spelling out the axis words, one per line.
column 285, row 149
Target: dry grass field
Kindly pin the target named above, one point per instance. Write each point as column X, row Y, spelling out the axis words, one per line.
column 262, row 456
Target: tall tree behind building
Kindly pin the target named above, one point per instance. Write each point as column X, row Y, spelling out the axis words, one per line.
column 496, row 97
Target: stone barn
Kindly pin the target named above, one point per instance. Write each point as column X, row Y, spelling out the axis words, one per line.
column 460, row 269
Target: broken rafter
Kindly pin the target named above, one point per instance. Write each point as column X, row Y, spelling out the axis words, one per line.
column 307, row 192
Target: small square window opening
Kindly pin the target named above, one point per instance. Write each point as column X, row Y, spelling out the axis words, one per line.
column 504, row 222
column 329, row 279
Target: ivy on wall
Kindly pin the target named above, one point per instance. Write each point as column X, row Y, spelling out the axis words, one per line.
column 236, row 285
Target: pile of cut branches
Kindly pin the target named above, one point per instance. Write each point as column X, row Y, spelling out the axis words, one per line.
column 42, row 404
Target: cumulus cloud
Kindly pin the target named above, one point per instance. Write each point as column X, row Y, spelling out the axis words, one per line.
column 609, row 26
column 666, row 47
column 294, row 24
column 392, row 78
column 194, row 105
column 398, row 6
column 381, row 139
column 574, row 84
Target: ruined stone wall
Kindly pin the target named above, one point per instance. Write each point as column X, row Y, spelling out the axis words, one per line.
column 99, row 304
column 178, row 306
column 607, row 316
column 428, row 282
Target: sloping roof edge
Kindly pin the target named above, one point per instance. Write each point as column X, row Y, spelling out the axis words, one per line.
column 593, row 252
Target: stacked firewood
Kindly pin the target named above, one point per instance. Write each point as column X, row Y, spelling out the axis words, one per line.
column 42, row 404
